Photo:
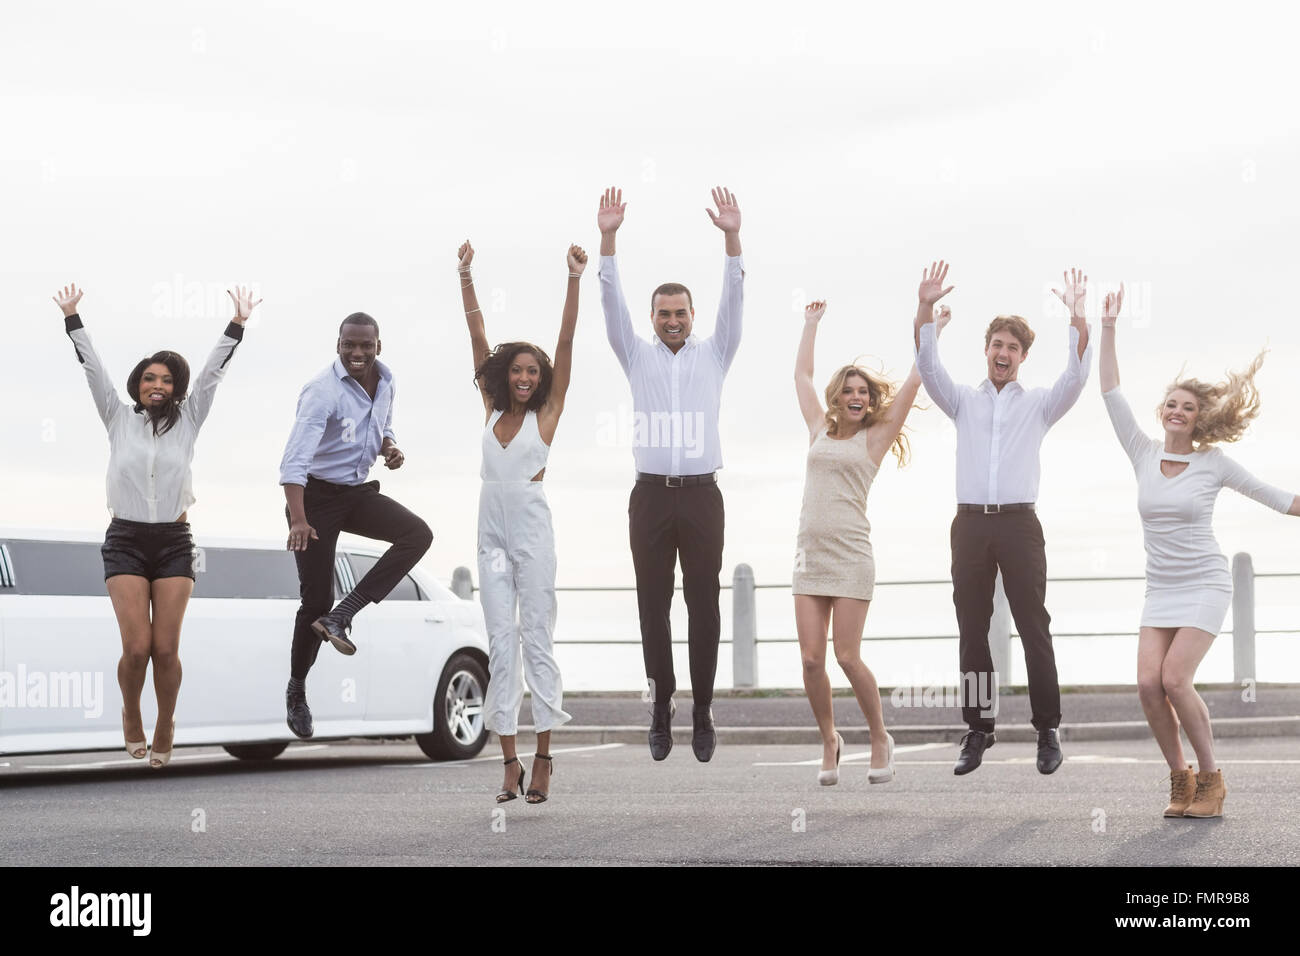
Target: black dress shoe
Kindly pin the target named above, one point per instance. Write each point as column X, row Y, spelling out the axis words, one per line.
column 661, row 729
column 335, row 628
column 299, row 716
column 705, row 739
column 973, row 745
column 1049, row 750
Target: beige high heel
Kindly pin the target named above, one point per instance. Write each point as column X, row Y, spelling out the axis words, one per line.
column 131, row 745
column 829, row 778
column 158, row 758
column 886, row 773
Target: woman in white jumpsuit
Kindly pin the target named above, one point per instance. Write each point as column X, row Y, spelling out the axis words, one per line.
column 523, row 397
column 1188, row 584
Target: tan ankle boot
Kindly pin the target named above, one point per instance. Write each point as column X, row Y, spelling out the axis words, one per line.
column 1210, row 791
column 1182, row 785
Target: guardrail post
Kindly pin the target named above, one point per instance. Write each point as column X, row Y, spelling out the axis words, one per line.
column 1000, row 634
column 744, row 628
column 462, row 583
column 1243, row 617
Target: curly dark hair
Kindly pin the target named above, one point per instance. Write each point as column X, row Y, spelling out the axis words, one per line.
column 166, row 416
column 493, row 375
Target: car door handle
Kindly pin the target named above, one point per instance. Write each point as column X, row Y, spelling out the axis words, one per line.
column 435, row 619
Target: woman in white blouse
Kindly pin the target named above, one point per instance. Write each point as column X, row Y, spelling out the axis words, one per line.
column 148, row 551
column 1188, row 584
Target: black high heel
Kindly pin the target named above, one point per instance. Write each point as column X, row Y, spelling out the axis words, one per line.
column 505, row 796
column 533, row 791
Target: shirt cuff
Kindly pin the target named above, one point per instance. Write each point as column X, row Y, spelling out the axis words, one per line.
column 72, row 322
column 234, row 331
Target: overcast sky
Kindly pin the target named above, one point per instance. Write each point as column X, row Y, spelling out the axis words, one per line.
column 334, row 155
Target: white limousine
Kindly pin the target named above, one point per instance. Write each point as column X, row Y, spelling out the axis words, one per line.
column 420, row 669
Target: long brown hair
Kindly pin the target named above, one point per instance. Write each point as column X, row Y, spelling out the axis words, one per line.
column 1225, row 409
column 880, row 392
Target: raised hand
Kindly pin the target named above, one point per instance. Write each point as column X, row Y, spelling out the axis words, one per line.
column 610, row 215
column 942, row 316
column 577, row 260
column 244, row 304
column 67, row 299
column 1076, row 288
column 931, row 289
column 1111, row 306
column 814, row 311
column 464, row 256
column 727, row 217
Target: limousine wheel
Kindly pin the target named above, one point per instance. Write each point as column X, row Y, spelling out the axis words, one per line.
column 458, row 731
column 256, row 751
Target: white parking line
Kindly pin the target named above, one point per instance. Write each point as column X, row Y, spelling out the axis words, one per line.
column 493, row 757
column 129, row 761
column 848, row 758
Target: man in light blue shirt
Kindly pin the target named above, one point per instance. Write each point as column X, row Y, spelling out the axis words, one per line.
column 344, row 422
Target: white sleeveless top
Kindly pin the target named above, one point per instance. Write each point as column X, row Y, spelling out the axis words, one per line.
column 523, row 458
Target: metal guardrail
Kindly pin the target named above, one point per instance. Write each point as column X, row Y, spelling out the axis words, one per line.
column 744, row 618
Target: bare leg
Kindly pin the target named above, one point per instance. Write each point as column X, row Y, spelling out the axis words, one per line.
column 1153, row 645
column 170, row 597
column 846, row 631
column 130, row 596
column 508, row 752
column 1189, row 647
column 812, row 618
column 541, row 779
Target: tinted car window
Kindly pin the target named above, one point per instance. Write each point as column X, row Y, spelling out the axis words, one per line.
column 245, row 573
column 55, row 567
column 406, row 589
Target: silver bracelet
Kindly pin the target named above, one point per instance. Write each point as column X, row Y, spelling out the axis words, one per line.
column 575, row 275
column 472, row 311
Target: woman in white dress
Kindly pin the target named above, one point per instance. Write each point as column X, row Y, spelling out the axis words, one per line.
column 1188, row 584
column 834, row 575
column 523, row 397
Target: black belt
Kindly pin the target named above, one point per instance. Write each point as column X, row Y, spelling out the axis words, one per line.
column 678, row 481
column 995, row 509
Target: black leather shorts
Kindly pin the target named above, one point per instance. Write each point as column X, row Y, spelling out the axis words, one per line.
column 152, row 551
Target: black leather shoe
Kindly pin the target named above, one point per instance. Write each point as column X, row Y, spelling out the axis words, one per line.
column 661, row 729
column 973, row 745
column 705, row 739
column 335, row 628
column 1049, row 750
column 299, row 717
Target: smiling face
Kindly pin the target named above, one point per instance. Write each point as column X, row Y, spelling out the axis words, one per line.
column 673, row 317
column 1178, row 414
column 358, row 347
column 1004, row 354
column 854, row 401
column 156, row 385
column 523, row 376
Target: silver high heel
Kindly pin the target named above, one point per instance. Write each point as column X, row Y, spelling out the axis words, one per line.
column 884, row 774
column 829, row 778
column 134, row 745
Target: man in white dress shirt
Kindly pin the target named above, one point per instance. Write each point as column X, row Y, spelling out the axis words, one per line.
column 676, row 506
column 1000, row 429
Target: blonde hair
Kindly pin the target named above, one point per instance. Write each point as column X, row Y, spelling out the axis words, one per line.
column 880, row 393
column 1225, row 409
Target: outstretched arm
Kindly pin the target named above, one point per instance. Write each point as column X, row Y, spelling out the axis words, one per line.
column 1109, row 357
column 199, row 402
column 731, row 306
column 576, row 260
column 618, row 321
column 478, row 342
column 107, row 402
column 933, row 375
column 886, row 429
column 1067, row 389
column 1239, row 479
column 805, row 388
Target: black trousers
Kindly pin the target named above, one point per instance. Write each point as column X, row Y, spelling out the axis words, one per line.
column 665, row 523
column 1012, row 541
column 356, row 509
